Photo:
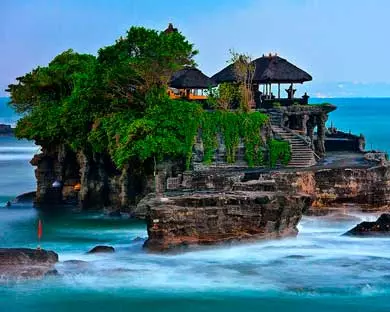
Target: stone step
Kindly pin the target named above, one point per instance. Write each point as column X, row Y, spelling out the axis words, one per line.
column 297, row 156
column 301, row 148
column 301, row 159
column 301, row 154
column 309, row 161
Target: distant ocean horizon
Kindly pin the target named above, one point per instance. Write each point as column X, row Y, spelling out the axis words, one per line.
column 367, row 116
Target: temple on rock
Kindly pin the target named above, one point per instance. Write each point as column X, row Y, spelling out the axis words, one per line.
column 271, row 82
column 189, row 83
column 270, row 70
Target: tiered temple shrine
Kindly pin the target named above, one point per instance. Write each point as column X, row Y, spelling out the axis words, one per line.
column 270, row 70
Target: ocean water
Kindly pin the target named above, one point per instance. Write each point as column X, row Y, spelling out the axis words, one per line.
column 319, row 270
column 368, row 116
column 7, row 115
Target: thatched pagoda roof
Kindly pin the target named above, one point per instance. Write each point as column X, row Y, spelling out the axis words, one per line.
column 269, row 69
column 170, row 29
column 189, row 78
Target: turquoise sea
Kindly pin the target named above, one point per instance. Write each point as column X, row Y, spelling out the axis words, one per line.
column 319, row 270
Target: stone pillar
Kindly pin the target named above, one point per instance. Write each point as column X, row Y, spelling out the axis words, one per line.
column 362, row 143
column 310, row 131
column 285, row 121
column 305, row 119
column 321, row 129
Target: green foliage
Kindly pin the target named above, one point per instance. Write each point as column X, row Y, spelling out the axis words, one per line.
column 165, row 130
column 276, row 105
column 279, row 151
column 212, row 97
column 251, row 125
column 244, row 70
column 230, row 127
column 55, row 100
column 209, row 126
column 117, row 104
column 233, row 126
column 229, row 95
column 52, row 83
column 143, row 60
column 83, row 101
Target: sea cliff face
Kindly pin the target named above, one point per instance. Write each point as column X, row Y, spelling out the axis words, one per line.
column 89, row 181
column 209, row 206
column 101, row 185
column 368, row 187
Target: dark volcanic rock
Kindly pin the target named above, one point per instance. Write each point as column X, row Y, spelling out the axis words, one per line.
column 212, row 218
column 26, row 263
column 102, row 249
column 25, row 197
column 379, row 227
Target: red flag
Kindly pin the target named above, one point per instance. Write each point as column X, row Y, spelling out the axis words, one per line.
column 39, row 229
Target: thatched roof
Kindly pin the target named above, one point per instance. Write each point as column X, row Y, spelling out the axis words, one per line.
column 170, row 29
column 269, row 69
column 190, row 77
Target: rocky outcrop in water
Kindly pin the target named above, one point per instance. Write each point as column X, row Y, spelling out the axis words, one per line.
column 101, row 249
column 378, row 228
column 26, row 263
column 212, row 218
column 6, row 129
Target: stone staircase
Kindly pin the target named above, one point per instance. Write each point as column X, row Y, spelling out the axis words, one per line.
column 302, row 155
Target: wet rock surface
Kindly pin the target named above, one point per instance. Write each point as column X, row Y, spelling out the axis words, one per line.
column 24, row 263
column 379, row 227
column 101, row 249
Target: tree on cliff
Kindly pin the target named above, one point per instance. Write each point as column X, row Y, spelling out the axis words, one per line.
column 70, row 100
column 55, row 99
column 140, row 63
column 117, row 104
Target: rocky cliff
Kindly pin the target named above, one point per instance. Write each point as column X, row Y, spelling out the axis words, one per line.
column 22, row 263
column 92, row 182
column 212, row 218
column 89, row 181
column 367, row 187
column 209, row 206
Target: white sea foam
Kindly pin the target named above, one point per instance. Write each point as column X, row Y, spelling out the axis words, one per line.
column 319, row 260
column 10, row 157
column 27, row 149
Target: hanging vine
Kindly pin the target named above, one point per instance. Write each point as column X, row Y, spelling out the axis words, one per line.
column 230, row 127
column 251, row 125
column 279, row 151
column 209, row 128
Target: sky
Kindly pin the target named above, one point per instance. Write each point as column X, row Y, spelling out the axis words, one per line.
column 343, row 44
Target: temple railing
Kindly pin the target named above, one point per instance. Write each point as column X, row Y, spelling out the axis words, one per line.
column 272, row 103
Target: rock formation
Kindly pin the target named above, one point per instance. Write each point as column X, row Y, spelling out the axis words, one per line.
column 89, row 181
column 101, row 249
column 212, row 218
column 379, row 227
column 26, row 263
column 367, row 187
